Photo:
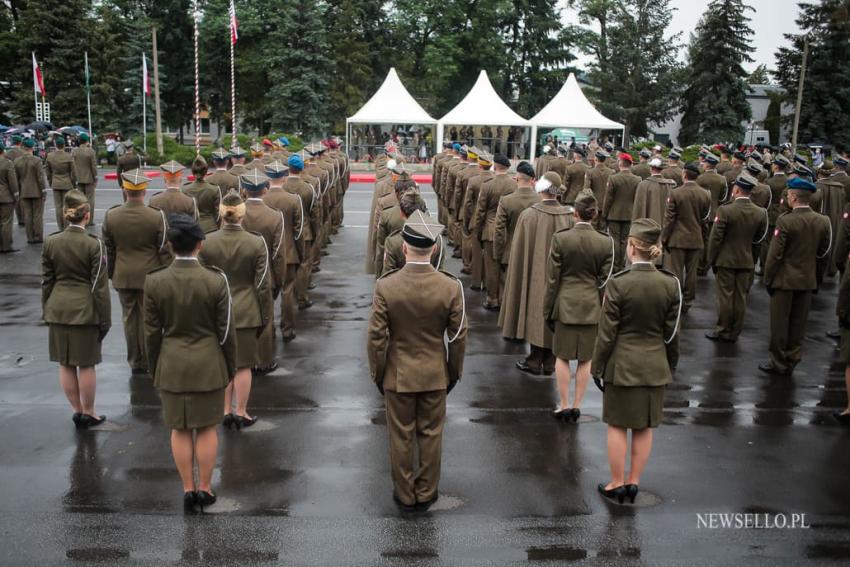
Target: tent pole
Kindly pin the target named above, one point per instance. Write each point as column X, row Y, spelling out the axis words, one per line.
column 438, row 139
column 533, row 143
column 347, row 138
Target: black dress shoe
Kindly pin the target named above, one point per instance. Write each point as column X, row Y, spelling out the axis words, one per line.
column 523, row 365
column 204, row 499
column 618, row 493
column 423, row 506
column 491, row 306
column 575, row 413
column 479, row 287
column 712, row 335
column 77, row 419
column 288, row 338
column 311, row 286
column 562, row 414
column 316, row 270
column 189, row 500
column 834, row 334
column 306, row 305
column 404, row 507
column 228, row 421
column 769, row 368
column 9, row 251
column 139, row 371
column 843, row 418
column 244, row 421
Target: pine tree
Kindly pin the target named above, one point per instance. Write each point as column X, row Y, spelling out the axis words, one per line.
column 714, row 102
column 296, row 49
column 826, row 87
column 175, row 42
column 636, row 74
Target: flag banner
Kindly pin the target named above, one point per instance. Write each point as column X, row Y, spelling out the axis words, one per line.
column 234, row 25
column 88, row 82
column 37, row 77
column 146, row 83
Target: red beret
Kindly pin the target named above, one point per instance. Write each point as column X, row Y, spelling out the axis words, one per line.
column 626, row 157
column 267, row 142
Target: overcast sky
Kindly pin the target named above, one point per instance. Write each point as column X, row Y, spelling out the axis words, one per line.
column 770, row 20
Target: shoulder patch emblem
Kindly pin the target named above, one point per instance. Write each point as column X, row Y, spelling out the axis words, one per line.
column 776, row 232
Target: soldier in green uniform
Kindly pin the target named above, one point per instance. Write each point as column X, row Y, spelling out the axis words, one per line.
column 206, row 193
column 12, row 154
column 61, row 177
column 76, row 307
column 634, row 355
column 85, row 166
column 580, row 263
column 257, row 153
column 509, row 209
column 688, row 208
column 737, row 225
column 290, row 205
column 617, row 206
column 597, row 178
column 801, row 242
column 725, row 160
column 134, row 236
column 841, row 165
column 467, row 218
column 130, row 161
column 304, row 191
column 269, row 223
column 642, row 168
column 389, row 218
column 237, row 162
column 715, row 183
column 191, row 345
column 33, row 188
column 8, row 197
column 776, row 182
column 673, row 171
column 416, row 344
column 575, row 179
column 456, row 198
column 243, row 258
column 737, row 166
column 221, row 178
column 521, row 316
column 842, row 309
column 651, row 196
column 411, row 202
column 173, row 200
column 829, row 201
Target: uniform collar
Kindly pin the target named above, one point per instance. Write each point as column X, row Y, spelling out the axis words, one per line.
column 645, row 266
column 231, row 227
column 418, row 268
column 742, row 199
column 78, row 227
column 583, row 224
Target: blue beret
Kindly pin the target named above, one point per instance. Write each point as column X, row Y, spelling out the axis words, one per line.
column 456, row 147
column 295, row 162
column 800, row 184
column 284, row 141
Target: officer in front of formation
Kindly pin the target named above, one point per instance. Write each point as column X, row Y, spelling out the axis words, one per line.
column 173, row 200
column 134, row 236
column 416, row 344
column 61, row 177
column 85, row 167
column 795, row 261
column 737, row 225
column 8, row 197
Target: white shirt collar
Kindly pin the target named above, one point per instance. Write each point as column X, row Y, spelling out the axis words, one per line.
column 255, row 199
column 77, row 226
column 194, row 258
column 419, row 263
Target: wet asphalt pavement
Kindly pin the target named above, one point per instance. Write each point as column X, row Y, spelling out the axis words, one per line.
column 310, row 483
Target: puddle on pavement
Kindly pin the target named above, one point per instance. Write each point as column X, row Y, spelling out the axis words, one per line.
column 223, row 505
column 556, row 553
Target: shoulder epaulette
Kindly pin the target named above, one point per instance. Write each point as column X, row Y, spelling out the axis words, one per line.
column 564, row 229
column 667, row 272
column 155, row 270
column 603, row 233
column 55, row 233
column 620, row 273
column 115, row 206
column 393, row 233
column 157, row 193
column 385, row 274
column 214, row 269
column 449, row 274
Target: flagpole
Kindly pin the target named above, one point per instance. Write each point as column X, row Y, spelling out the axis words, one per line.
column 197, row 17
column 144, row 108
column 88, row 91
column 233, row 143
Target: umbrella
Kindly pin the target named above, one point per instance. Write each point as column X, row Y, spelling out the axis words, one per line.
column 3, row 128
column 40, row 125
column 76, row 129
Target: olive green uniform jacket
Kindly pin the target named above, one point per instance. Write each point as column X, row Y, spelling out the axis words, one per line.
column 60, row 170
column 291, row 207
column 174, row 201
column 688, row 207
column 394, row 255
column 134, row 237
column 491, row 193
column 651, row 198
column 85, row 164
column 207, row 198
column 190, row 337
column 268, row 223
column 507, row 216
column 801, row 241
column 737, row 226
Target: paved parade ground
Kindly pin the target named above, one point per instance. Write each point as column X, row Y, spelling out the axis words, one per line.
column 310, row 483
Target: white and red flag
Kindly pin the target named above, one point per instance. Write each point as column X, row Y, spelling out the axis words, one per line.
column 37, row 77
column 234, row 25
column 146, row 81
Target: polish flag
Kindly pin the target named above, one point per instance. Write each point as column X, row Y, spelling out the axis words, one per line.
column 146, row 81
column 234, row 25
column 37, row 77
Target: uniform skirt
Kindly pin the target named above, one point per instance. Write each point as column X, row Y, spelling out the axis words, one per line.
column 247, row 348
column 574, row 342
column 192, row 410
column 633, row 407
column 845, row 347
column 74, row 345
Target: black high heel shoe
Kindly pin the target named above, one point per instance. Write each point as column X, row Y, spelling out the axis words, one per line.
column 619, row 493
column 205, row 499
column 91, row 420
column 843, row 418
column 227, row 421
column 77, row 419
column 189, row 500
column 575, row 413
column 632, row 492
column 562, row 414
column 244, row 421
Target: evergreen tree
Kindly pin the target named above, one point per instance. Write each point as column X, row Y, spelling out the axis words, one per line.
column 175, row 44
column 714, row 102
column 296, row 50
column 58, row 35
column 636, row 74
column 826, row 86
column 9, row 46
column 759, row 76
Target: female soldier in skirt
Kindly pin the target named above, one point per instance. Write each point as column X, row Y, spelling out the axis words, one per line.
column 191, row 346
column 243, row 257
column 635, row 352
column 76, row 308
column 580, row 263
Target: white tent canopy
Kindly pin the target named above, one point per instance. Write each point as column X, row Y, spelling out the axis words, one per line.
column 570, row 108
column 391, row 104
column 482, row 106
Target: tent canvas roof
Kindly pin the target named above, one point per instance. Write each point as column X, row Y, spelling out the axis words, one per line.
column 482, row 106
column 392, row 104
column 571, row 108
